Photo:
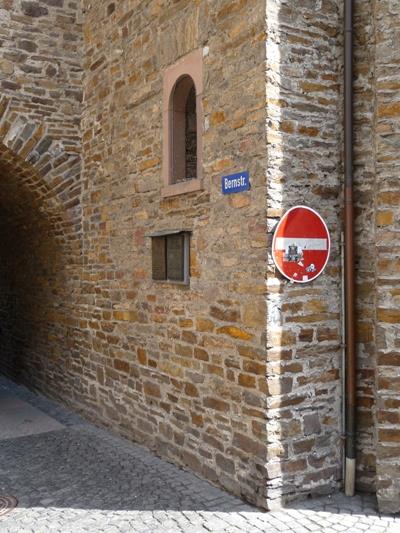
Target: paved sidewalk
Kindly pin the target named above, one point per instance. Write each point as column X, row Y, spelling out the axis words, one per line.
column 73, row 477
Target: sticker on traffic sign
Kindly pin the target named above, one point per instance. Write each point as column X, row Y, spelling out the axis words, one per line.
column 301, row 244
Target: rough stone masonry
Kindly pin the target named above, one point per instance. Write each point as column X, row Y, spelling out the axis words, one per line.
column 236, row 376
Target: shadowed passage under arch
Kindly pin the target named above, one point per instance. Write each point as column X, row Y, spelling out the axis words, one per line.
column 40, row 256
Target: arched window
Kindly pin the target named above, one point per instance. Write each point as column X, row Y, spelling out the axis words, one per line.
column 182, row 126
column 184, row 130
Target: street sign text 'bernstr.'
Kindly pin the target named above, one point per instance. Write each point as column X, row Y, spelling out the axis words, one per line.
column 236, row 183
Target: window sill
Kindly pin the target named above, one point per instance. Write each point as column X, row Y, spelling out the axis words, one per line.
column 183, row 187
column 169, row 282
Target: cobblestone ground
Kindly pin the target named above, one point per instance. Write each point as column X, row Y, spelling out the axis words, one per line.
column 83, row 479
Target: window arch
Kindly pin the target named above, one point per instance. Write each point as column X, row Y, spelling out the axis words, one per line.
column 182, row 126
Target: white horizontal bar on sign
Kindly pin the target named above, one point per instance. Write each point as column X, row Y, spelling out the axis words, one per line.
column 282, row 243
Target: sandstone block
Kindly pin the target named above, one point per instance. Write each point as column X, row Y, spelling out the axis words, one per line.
column 384, row 218
column 216, row 404
column 235, row 333
column 254, row 314
column 246, row 380
column 152, row 389
column 226, row 315
column 248, row 445
column 122, row 366
column 191, row 390
column 204, row 325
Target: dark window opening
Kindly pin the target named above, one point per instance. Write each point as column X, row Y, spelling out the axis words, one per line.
column 170, row 257
column 191, row 136
column 184, row 131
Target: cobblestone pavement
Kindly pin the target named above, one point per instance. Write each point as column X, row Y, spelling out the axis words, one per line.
column 83, row 479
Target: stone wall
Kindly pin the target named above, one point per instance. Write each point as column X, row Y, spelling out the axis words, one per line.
column 245, row 394
column 377, row 194
column 387, row 203
column 304, row 50
column 40, row 65
column 364, row 193
column 181, row 369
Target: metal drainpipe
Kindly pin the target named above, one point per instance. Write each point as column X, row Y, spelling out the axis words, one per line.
column 350, row 401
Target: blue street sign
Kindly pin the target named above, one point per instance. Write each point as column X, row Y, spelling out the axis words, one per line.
column 236, row 183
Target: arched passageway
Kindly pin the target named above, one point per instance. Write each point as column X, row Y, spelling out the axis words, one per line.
column 40, row 256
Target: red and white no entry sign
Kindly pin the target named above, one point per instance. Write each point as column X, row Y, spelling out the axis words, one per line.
column 301, row 244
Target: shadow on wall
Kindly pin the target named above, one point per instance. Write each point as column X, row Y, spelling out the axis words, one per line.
column 37, row 264
column 304, row 168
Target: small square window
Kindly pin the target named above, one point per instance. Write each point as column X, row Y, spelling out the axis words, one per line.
column 170, row 257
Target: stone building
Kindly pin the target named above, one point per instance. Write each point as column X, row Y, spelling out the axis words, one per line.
column 149, row 302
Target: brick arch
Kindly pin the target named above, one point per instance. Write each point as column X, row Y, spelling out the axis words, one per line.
column 40, row 253
column 42, row 166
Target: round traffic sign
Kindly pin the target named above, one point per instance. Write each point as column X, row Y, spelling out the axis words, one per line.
column 301, row 244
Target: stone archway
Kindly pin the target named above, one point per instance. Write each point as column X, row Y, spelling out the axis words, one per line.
column 40, row 255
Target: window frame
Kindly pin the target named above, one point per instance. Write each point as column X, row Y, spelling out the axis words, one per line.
column 186, row 256
column 190, row 65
